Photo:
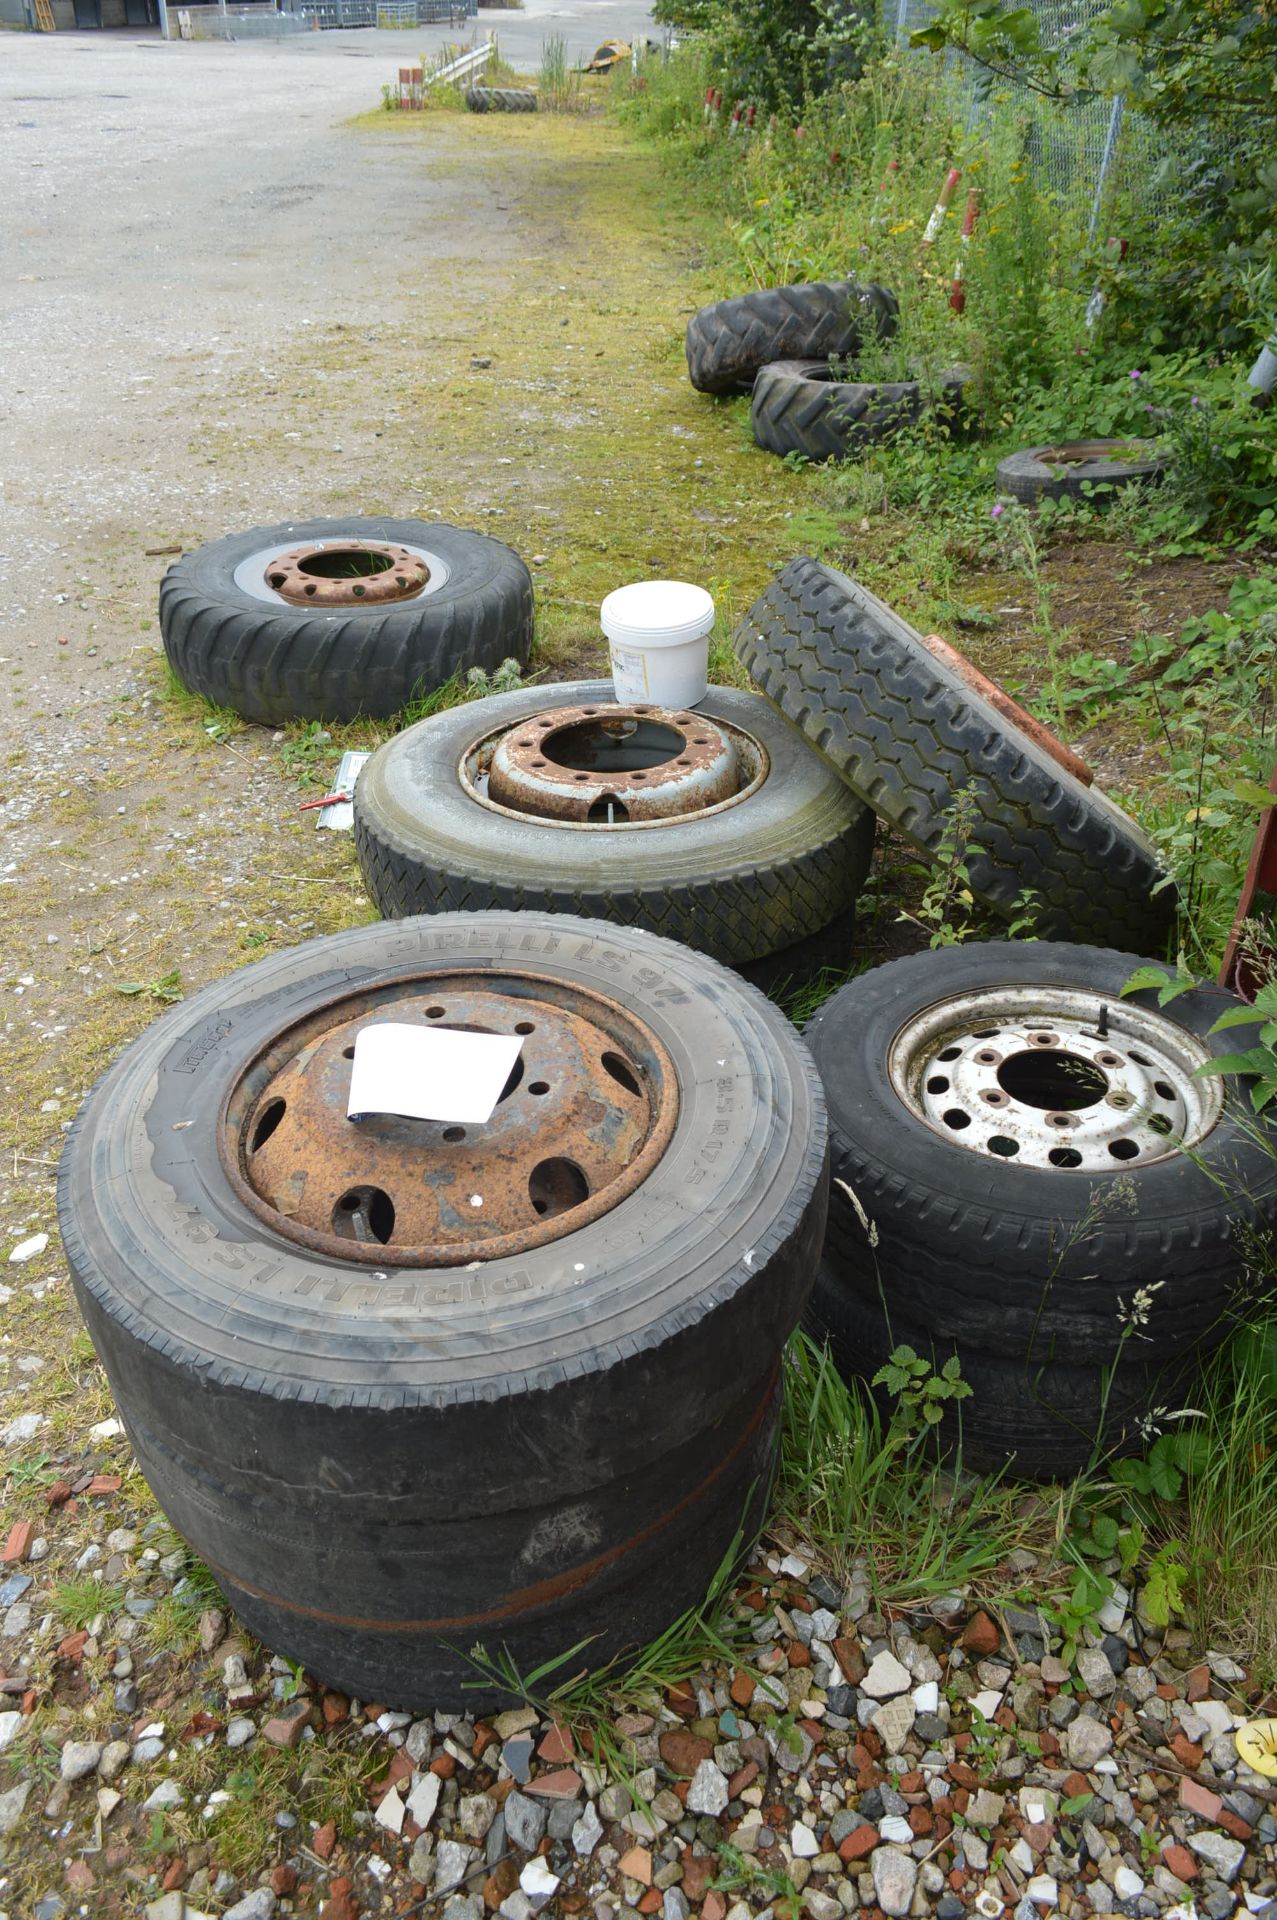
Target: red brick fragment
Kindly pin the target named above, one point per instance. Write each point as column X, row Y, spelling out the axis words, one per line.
column 79, row 1877
column 174, row 1877
column 742, row 1688
column 742, row 1778
column 715, row 1907
column 324, row 1839
column 104, row 1483
column 336, row 1709
column 850, row 1657
column 652, row 1902
column 18, row 1545
column 563, row 1784
column 682, row 1750
column 860, row 1844
column 444, row 1765
column 798, row 1654
column 1074, row 1784
column 1200, row 1800
column 55, row 1495
column 1179, row 1860
column 72, row 1648
column 1234, row 1824
column 980, row 1636
column 921, row 1820
column 341, row 1903
column 286, row 1727
column 698, row 1870
column 558, row 1746
column 1198, row 1684
column 283, row 1879
column 1186, row 1751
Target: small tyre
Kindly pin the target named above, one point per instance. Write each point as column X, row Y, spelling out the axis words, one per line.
column 393, row 1426
column 777, row 860
column 1029, row 1172
column 909, row 734
column 501, row 100
column 1078, row 469
column 807, row 407
column 331, row 619
column 728, row 342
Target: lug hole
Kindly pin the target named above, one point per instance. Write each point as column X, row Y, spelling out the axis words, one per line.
column 556, row 1186
column 267, row 1121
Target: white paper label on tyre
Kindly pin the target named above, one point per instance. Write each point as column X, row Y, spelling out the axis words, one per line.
column 429, row 1073
column 629, row 672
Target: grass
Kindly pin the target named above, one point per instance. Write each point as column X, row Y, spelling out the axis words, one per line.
column 77, row 1601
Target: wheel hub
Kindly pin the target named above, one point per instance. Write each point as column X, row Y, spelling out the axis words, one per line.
column 586, row 1113
column 612, row 766
column 1055, row 1078
column 348, row 573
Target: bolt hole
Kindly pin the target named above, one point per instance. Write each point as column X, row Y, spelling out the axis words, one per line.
column 993, row 1099
column 267, row 1121
column 684, row 762
column 348, row 1053
column 938, row 1085
column 1064, row 1157
column 538, row 1087
column 607, row 810
column 1163, row 1091
column 1141, row 1060
column 1044, row 1039
column 620, row 1072
column 950, row 1053
column 538, row 763
column 1107, row 1060
column 1006, row 1149
column 1160, row 1123
column 434, row 1013
column 364, row 1214
column 986, row 1033
column 454, row 1133
column 556, row 1186
column 1124, row 1149
column 525, row 1026
column 956, row 1119
column 311, row 589
column 278, row 579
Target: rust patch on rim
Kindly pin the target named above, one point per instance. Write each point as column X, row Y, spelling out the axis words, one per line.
column 586, row 1113
column 352, row 573
column 609, row 765
column 1010, row 709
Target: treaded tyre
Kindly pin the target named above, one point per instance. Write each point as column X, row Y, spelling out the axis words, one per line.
column 1041, row 1188
column 546, row 1432
column 753, row 875
column 328, row 644
column 729, row 341
column 806, row 407
column 908, row 734
column 1078, row 469
column 501, row 100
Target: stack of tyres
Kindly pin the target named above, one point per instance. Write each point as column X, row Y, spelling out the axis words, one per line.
column 1036, row 1170
column 409, row 1387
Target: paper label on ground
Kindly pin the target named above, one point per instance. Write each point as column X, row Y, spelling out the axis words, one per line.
column 429, row 1073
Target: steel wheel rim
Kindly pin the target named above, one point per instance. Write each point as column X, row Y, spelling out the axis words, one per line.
column 586, row 1115
column 486, row 760
column 250, row 576
column 1061, row 1079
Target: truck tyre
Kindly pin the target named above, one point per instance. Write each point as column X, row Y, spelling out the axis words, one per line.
column 806, row 407
column 397, row 1424
column 729, row 341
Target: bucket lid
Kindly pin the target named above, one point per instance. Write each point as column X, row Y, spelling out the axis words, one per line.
column 657, row 613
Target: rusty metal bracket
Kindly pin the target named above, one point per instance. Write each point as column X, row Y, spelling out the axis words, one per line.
column 1243, row 971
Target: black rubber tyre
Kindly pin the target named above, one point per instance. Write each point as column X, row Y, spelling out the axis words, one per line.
column 1022, row 1270
column 803, row 406
column 233, row 640
column 1037, row 1419
column 908, row 735
column 501, row 100
column 728, row 342
column 382, row 1467
column 1089, row 469
column 747, row 881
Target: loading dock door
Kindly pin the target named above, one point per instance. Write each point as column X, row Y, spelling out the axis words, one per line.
column 88, row 13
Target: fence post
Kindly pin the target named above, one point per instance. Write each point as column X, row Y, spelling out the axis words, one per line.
column 1106, row 161
column 902, row 22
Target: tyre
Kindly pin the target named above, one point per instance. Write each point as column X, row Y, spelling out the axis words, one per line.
column 501, row 100
column 1028, row 1172
column 910, row 734
column 1078, row 469
column 395, row 1427
column 806, row 407
column 728, row 342
column 330, row 619
column 550, row 799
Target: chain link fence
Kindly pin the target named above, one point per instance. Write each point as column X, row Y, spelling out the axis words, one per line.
column 1086, row 152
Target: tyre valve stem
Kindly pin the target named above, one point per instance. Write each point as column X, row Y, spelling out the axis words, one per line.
column 1102, row 1024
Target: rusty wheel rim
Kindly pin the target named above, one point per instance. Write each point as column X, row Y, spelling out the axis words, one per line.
column 1010, row 709
column 349, row 573
column 586, row 1114
column 602, row 766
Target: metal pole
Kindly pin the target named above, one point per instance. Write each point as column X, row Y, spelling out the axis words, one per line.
column 902, row 21
column 1106, row 161
column 162, row 5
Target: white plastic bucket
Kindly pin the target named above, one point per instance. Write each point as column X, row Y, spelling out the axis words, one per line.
column 658, row 638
